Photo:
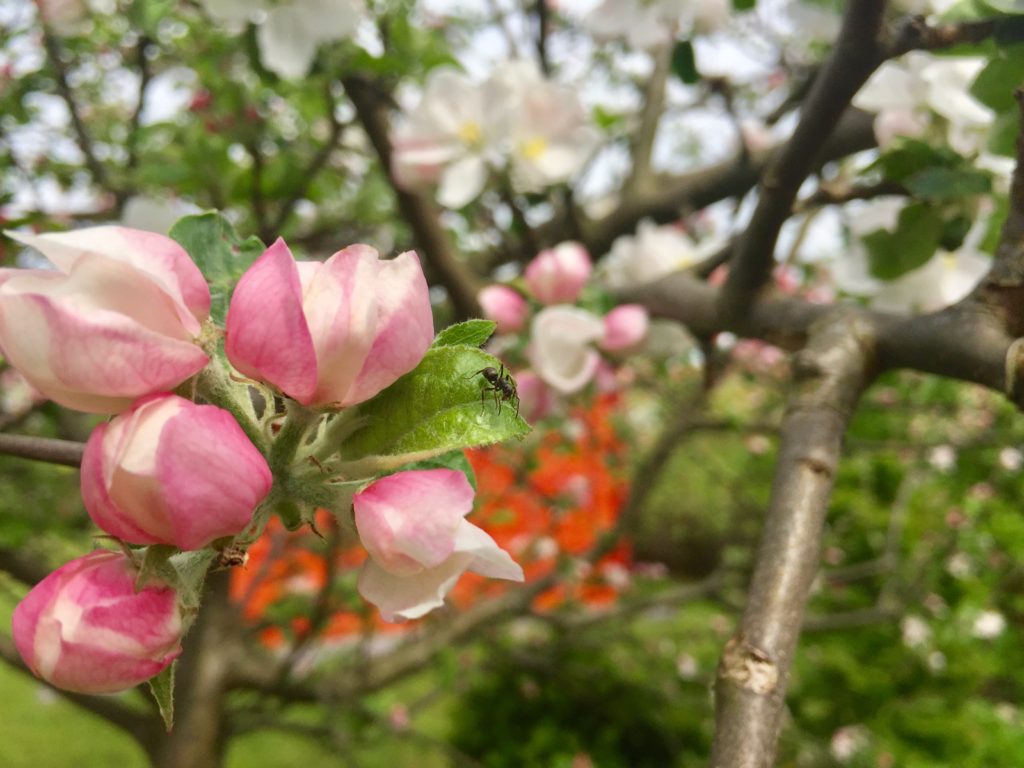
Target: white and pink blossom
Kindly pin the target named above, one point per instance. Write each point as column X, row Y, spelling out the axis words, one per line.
column 562, row 352
column 652, row 253
column 412, row 524
column 169, row 471
column 86, row 628
column 118, row 319
column 330, row 333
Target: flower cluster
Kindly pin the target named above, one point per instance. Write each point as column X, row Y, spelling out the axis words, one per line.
column 123, row 326
column 516, row 121
column 563, row 338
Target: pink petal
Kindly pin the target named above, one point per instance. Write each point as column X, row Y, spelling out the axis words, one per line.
column 267, row 337
column 625, row 327
column 504, row 306
column 557, row 275
column 211, row 476
column 404, row 330
column 407, row 521
column 340, row 306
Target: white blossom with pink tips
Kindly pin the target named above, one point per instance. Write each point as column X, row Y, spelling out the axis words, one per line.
column 412, row 524
column 169, row 471
column 561, row 351
column 652, row 253
column 118, row 319
column 557, row 275
column 86, row 628
column 331, row 333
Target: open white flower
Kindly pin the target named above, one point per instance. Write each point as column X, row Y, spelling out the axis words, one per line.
column 655, row 251
column 290, row 32
column 646, row 24
column 562, row 352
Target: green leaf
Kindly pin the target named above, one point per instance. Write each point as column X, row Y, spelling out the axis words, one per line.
column 220, row 253
column 995, row 84
column 472, row 333
column 891, row 254
column 949, row 183
column 452, row 460
column 162, row 688
column 684, row 63
column 743, row 5
column 911, row 156
column 443, row 405
column 1002, row 137
column 1006, row 6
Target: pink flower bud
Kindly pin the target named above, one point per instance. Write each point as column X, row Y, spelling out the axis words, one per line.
column 85, row 628
column 115, row 321
column 172, row 472
column 504, row 306
column 535, row 400
column 557, row 275
column 561, row 347
column 625, row 327
column 336, row 332
column 412, row 525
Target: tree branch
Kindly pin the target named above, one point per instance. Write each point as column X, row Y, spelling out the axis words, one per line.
column 66, row 452
column 419, row 211
column 642, row 141
column 831, row 373
column 855, row 57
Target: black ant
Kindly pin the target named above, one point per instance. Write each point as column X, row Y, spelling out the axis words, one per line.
column 501, row 384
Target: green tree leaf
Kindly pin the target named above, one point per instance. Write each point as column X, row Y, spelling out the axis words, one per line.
column 220, row 253
column 891, row 254
column 441, row 406
column 684, row 63
column 949, row 183
column 472, row 333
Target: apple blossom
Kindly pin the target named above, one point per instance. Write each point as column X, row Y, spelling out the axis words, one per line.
column 561, row 347
column 289, row 32
column 504, row 306
column 331, row 333
column 652, row 253
column 550, row 134
column 557, row 275
column 457, row 130
column 649, row 23
column 412, row 525
column 169, row 471
column 625, row 327
column 86, row 628
column 117, row 319
column 535, row 400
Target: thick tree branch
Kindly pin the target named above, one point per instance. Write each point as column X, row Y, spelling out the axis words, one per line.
column 419, row 211
column 856, row 55
column 831, row 373
column 66, row 452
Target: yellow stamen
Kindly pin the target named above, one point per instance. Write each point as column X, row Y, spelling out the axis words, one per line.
column 533, row 148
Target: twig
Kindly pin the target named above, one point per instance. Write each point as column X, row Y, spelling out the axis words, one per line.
column 831, row 373
column 145, row 74
column 642, row 141
column 856, row 55
column 419, row 211
column 543, row 31
column 66, row 452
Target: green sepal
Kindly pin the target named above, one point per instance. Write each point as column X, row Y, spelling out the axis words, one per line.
column 162, row 688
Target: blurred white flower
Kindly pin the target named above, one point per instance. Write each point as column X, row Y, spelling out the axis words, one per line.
column 915, row 631
column 848, row 741
column 988, row 625
column 1011, row 459
column 290, row 32
column 462, row 129
column 959, row 566
column 904, row 92
column 652, row 253
column 562, row 352
column 647, row 24
column 942, row 457
column 154, row 214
